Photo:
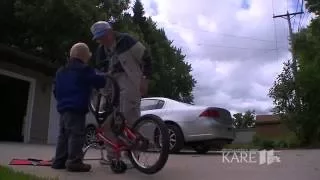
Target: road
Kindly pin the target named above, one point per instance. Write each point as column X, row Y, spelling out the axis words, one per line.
column 293, row 165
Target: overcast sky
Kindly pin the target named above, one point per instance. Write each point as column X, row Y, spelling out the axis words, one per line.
column 232, row 46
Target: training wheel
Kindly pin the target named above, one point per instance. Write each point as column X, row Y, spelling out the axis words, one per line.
column 118, row 166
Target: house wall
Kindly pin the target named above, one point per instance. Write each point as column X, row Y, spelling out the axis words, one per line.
column 244, row 136
column 41, row 103
column 271, row 130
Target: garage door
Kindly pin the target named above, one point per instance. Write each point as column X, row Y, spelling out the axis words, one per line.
column 53, row 122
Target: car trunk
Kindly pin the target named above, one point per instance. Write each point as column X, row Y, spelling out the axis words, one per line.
column 219, row 114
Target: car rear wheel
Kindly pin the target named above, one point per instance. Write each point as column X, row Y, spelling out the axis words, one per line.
column 201, row 149
column 176, row 138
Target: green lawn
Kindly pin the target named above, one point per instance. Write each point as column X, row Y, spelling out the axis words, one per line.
column 7, row 173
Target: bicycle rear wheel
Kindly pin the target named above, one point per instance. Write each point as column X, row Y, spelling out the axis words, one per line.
column 164, row 148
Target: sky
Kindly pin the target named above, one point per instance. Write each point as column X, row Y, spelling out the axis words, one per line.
column 235, row 47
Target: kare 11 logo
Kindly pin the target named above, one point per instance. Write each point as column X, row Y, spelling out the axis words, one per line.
column 250, row 156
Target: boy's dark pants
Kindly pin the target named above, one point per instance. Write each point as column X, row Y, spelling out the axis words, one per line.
column 71, row 139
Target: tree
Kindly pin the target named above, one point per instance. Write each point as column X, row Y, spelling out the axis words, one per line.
column 48, row 28
column 138, row 13
column 306, row 45
column 246, row 120
column 305, row 120
column 283, row 96
column 171, row 76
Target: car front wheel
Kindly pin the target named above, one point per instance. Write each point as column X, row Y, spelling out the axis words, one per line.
column 176, row 138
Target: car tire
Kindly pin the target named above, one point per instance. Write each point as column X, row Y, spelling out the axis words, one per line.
column 176, row 138
column 217, row 147
column 202, row 149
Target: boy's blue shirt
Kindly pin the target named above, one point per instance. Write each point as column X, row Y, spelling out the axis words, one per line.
column 73, row 86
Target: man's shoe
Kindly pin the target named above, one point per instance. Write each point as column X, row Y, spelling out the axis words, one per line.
column 79, row 167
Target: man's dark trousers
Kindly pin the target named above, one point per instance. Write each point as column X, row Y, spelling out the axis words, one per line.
column 71, row 139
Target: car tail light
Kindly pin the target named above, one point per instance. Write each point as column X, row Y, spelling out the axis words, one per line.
column 210, row 113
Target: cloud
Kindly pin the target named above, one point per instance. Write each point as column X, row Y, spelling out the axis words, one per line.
column 236, row 48
column 245, row 4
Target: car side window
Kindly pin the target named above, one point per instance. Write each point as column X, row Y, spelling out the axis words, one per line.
column 160, row 104
column 150, row 104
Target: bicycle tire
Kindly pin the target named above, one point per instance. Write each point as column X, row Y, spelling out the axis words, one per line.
column 164, row 148
column 115, row 99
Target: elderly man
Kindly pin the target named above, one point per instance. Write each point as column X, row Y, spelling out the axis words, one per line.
column 130, row 64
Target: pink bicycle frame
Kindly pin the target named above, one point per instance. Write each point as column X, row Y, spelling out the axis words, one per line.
column 118, row 147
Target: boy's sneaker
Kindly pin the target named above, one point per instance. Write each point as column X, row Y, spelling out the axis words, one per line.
column 79, row 167
column 54, row 166
column 57, row 165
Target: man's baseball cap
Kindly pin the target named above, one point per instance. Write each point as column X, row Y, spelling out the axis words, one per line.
column 99, row 28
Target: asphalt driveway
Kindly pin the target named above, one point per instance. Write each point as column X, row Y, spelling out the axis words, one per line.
column 294, row 165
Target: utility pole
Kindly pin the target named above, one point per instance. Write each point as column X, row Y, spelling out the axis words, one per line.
column 288, row 17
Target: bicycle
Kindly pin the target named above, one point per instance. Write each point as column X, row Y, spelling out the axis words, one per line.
column 131, row 140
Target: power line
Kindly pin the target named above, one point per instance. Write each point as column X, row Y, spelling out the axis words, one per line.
column 275, row 33
column 225, row 34
column 299, row 26
column 306, row 19
column 247, row 48
column 243, row 48
column 297, row 6
column 236, row 47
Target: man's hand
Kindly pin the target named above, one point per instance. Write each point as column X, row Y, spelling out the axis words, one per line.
column 144, row 86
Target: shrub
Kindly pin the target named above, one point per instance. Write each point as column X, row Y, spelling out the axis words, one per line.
column 292, row 141
column 288, row 141
column 280, row 143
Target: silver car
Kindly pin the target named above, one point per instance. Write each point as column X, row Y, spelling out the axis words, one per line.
column 200, row 127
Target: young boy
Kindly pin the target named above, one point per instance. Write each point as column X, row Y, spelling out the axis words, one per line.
column 73, row 86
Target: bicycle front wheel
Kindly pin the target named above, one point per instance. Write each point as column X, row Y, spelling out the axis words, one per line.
column 161, row 147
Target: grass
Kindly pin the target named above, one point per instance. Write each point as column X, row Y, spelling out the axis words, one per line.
column 7, row 173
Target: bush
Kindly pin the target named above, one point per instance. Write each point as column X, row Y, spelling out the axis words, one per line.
column 267, row 144
column 280, row 144
column 262, row 143
column 292, row 141
column 289, row 141
column 256, row 140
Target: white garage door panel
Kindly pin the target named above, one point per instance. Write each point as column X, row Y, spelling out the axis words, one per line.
column 53, row 130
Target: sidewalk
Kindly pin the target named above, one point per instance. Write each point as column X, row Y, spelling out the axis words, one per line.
column 294, row 165
column 12, row 150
